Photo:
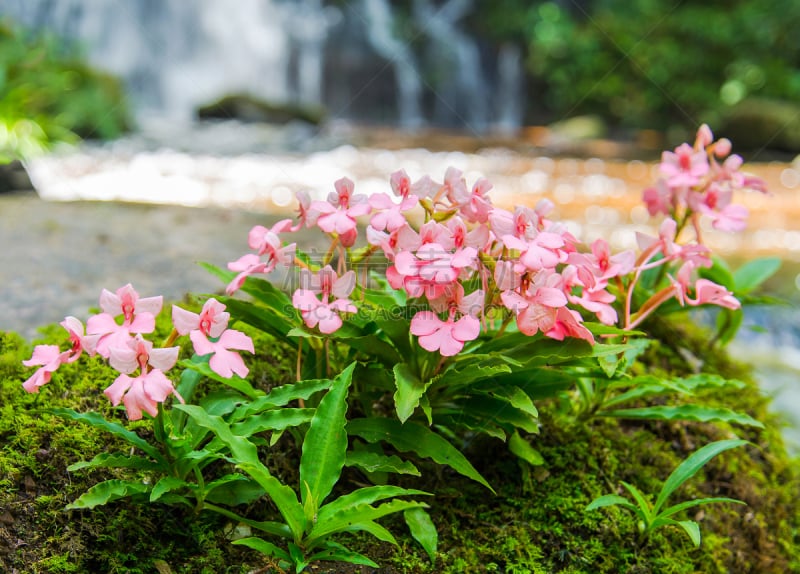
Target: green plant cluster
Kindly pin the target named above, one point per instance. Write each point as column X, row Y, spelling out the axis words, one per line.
column 536, row 522
column 48, row 93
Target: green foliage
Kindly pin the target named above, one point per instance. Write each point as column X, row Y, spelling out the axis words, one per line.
column 653, row 63
column 308, row 523
column 48, row 94
column 654, row 515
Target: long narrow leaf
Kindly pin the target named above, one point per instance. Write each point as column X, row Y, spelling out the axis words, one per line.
column 266, row 548
column 364, row 496
column 339, row 553
column 97, row 421
column 685, row 413
column 689, row 467
column 325, row 443
column 611, row 500
column 412, row 437
column 350, row 519
column 423, row 530
column 409, row 390
column 672, row 510
column 106, row 492
column 117, row 460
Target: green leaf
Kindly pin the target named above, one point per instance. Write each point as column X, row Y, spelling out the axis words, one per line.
column 513, row 395
column 496, row 411
column 233, row 489
column 284, row 497
column 645, row 509
column 106, row 492
column 611, row 500
column 165, row 485
column 117, row 460
column 277, row 420
column 689, row 467
column 375, row 462
column 325, row 444
column 689, row 526
column 96, row 420
column 728, row 323
column 283, row 395
column 350, row 518
column 523, row 449
column 423, row 530
column 413, row 437
column 409, row 390
column 684, row 413
column 234, row 382
column 753, row 273
column 363, row 497
column 674, row 509
column 242, row 449
column 338, row 553
column 266, row 548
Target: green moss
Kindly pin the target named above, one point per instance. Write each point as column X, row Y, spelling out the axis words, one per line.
column 534, row 525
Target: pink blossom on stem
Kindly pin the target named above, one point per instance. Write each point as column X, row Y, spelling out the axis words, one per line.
column 338, row 214
column 658, row 199
column 223, row 361
column 80, row 342
column 324, row 312
column 447, row 337
column 684, row 167
column 211, row 321
column 568, row 323
column 50, row 358
column 138, row 316
column 390, row 214
column 151, row 386
column 306, row 216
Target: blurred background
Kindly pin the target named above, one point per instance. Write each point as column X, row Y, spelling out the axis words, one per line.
column 234, row 106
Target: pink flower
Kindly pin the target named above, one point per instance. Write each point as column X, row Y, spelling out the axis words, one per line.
column 536, row 307
column 324, row 313
column 684, row 167
column 267, row 241
column 138, row 316
column 390, row 214
column 224, row 362
column 447, row 337
column 211, row 322
column 477, row 206
column 544, row 251
column 151, row 386
column 252, row 264
column 79, row 341
column 51, row 358
column 569, row 324
column 338, row 214
column 142, row 393
column 658, row 199
column 307, row 217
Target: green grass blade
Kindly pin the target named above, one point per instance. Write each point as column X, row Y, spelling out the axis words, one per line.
column 325, row 444
column 645, row 509
column 689, row 467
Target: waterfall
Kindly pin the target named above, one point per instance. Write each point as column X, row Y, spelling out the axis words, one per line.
column 363, row 60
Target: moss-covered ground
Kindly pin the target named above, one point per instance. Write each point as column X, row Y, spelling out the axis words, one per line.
column 536, row 523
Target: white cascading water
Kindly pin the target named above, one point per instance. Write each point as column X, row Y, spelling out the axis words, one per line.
column 175, row 55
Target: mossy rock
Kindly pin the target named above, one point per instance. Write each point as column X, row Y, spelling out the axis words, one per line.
column 250, row 109
column 536, row 523
column 760, row 123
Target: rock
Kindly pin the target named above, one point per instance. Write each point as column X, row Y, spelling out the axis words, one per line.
column 579, row 128
column 249, row 109
column 759, row 123
column 13, row 177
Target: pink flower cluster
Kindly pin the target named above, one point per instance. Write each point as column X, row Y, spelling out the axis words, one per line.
column 469, row 257
column 701, row 180
column 116, row 335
